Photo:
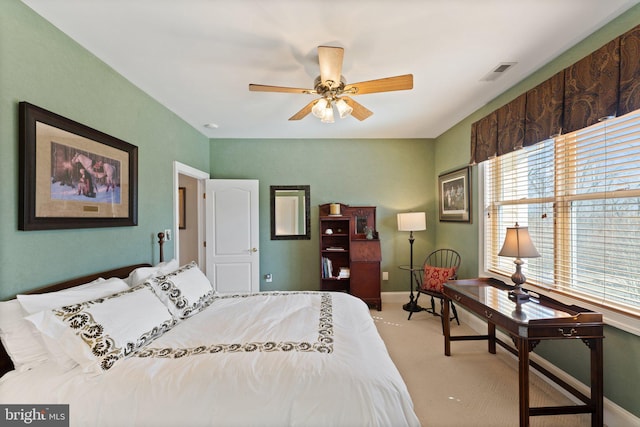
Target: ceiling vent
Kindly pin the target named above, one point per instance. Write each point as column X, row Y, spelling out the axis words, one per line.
column 498, row 71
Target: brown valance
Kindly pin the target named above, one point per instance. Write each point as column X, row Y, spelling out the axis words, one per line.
column 510, row 126
column 544, row 110
column 484, row 142
column 629, row 98
column 591, row 88
column 605, row 83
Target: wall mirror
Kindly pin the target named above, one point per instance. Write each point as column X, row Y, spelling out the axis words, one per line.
column 290, row 217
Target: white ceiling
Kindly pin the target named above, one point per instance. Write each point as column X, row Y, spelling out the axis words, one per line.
column 197, row 57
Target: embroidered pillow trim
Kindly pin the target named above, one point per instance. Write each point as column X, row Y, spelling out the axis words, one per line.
column 103, row 347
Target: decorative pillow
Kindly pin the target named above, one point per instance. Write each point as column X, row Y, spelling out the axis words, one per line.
column 139, row 275
column 435, row 277
column 19, row 338
column 185, row 292
column 35, row 303
column 100, row 332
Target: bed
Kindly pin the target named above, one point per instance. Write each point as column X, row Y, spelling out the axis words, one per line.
column 158, row 347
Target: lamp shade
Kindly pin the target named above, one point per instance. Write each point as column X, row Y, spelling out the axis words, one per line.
column 518, row 244
column 344, row 109
column 319, row 107
column 412, row 221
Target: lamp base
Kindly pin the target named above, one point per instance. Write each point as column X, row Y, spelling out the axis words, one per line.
column 518, row 296
column 412, row 307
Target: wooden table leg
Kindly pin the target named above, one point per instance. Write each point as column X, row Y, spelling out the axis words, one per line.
column 446, row 327
column 491, row 332
column 597, row 386
column 523, row 380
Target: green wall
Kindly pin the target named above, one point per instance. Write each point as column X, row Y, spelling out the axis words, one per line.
column 43, row 66
column 393, row 175
column 621, row 349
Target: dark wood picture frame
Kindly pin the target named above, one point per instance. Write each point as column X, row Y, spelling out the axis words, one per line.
column 300, row 191
column 454, row 189
column 182, row 208
column 58, row 191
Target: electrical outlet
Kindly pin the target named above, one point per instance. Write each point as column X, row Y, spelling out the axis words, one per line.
column 385, row 275
column 268, row 278
column 167, row 234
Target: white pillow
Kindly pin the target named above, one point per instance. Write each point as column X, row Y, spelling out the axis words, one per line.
column 140, row 274
column 185, row 291
column 35, row 303
column 98, row 333
column 19, row 338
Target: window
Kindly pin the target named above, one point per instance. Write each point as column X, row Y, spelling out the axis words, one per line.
column 579, row 194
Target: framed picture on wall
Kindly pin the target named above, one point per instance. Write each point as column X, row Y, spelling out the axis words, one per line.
column 182, row 208
column 73, row 176
column 455, row 195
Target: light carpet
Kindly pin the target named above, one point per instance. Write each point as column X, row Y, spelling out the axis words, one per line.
column 471, row 387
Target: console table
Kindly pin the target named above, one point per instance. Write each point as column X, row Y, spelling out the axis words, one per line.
column 540, row 318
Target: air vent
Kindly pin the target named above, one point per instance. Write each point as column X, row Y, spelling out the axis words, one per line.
column 498, row 71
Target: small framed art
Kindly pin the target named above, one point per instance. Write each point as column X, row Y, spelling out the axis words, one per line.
column 455, row 195
column 182, row 208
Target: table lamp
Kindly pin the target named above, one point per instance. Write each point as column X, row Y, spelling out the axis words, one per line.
column 412, row 221
column 518, row 244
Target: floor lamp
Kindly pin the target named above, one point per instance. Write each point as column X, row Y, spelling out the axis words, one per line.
column 412, row 221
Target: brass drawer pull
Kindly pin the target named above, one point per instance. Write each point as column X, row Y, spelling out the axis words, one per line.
column 572, row 331
column 457, row 297
column 489, row 315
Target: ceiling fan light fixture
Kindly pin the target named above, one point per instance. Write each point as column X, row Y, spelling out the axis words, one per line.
column 331, row 88
column 344, row 109
column 319, row 107
column 328, row 114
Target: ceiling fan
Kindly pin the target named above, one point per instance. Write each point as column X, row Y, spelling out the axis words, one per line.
column 333, row 89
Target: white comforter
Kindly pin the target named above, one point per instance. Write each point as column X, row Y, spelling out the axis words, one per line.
column 268, row 359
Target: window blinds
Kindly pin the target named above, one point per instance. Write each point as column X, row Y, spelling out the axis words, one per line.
column 580, row 197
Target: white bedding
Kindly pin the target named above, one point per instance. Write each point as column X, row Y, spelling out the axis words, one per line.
column 267, row 359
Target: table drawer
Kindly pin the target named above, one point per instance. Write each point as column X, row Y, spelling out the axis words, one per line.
column 562, row 332
column 486, row 313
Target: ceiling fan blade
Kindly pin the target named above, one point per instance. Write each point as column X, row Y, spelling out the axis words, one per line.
column 304, row 112
column 359, row 111
column 330, row 59
column 266, row 88
column 387, row 84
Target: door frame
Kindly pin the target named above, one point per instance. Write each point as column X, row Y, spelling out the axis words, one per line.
column 201, row 177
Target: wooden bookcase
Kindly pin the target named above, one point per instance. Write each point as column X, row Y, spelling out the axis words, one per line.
column 349, row 261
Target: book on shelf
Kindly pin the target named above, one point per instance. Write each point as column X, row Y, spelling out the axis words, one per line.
column 334, row 248
column 327, row 268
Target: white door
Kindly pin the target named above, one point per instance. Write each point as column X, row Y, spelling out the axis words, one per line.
column 232, row 230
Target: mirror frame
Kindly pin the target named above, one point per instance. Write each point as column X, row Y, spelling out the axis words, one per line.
column 307, row 212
